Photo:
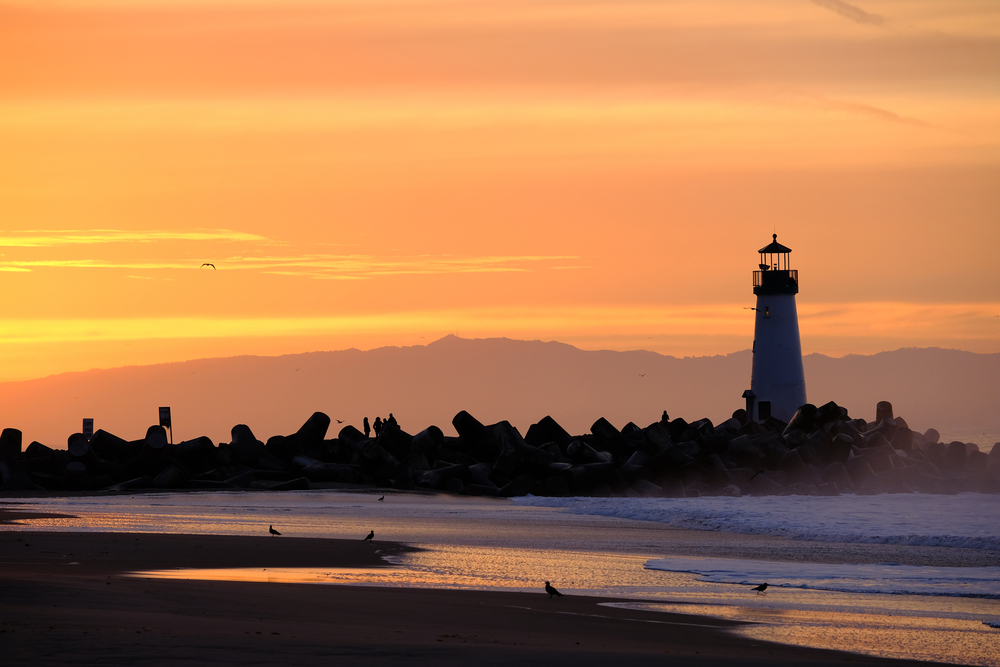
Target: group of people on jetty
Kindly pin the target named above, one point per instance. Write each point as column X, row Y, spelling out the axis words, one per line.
column 378, row 424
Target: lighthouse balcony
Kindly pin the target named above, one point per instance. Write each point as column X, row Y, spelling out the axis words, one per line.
column 776, row 282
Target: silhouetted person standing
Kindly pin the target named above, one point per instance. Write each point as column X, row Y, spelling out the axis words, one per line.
column 368, row 429
column 378, row 426
column 665, row 419
column 391, row 420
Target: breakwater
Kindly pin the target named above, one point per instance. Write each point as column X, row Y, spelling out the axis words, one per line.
column 820, row 451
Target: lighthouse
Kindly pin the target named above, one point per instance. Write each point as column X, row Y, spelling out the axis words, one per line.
column 777, row 383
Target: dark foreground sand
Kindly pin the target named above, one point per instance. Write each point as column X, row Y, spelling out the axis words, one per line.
column 53, row 611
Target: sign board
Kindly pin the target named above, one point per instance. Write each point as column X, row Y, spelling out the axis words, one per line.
column 88, row 427
column 165, row 417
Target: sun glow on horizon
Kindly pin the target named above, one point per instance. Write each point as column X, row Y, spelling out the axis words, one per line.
column 183, row 180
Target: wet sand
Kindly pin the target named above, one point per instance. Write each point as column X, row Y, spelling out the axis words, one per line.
column 66, row 598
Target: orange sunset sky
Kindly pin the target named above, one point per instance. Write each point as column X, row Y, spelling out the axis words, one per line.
column 385, row 172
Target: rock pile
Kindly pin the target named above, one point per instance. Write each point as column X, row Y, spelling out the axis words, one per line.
column 821, row 451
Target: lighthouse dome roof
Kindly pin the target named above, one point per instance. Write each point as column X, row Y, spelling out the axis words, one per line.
column 774, row 247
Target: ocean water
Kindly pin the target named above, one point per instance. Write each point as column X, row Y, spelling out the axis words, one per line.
column 879, row 578
column 967, row 520
column 893, row 575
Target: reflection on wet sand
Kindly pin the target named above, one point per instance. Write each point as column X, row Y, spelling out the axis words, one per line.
column 961, row 641
column 495, row 545
column 920, row 627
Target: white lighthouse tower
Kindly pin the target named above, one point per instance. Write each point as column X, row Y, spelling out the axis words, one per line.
column 777, row 383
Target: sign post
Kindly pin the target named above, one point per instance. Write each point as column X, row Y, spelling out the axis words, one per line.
column 88, row 428
column 165, row 422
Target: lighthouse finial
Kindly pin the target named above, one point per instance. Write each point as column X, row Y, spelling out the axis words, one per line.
column 774, row 237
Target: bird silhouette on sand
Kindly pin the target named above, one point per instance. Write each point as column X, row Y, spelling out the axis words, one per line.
column 381, row 499
column 273, row 532
column 369, row 537
column 208, row 264
column 760, row 589
column 551, row 590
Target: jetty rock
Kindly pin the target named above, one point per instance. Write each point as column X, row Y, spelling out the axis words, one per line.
column 819, row 451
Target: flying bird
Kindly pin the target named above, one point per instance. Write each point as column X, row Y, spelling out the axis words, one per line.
column 760, row 589
column 550, row 589
column 273, row 532
column 207, row 264
column 340, row 421
column 369, row 537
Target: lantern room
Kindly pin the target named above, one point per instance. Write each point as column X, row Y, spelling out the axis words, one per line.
column 775, row 275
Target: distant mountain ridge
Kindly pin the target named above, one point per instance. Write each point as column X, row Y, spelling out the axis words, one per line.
column 494, row 379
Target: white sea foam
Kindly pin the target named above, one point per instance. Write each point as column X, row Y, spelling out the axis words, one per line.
column 967, row 520
column 882, row 578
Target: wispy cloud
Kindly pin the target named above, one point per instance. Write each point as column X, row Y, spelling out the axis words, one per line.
column 904, row 323
column 340, row 267
column 869, row 110
column 851, row 12
column 47, row 238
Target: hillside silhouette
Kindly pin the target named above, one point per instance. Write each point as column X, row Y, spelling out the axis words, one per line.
column 493, row 379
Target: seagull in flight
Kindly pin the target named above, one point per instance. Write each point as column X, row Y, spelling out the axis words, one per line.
column 551, row 590
column 340, row 421
column 760, row 589
column 273, row 532
column 208, row 264
column 369, row 537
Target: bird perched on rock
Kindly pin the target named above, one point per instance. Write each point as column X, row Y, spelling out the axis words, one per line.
column 760, row 589
column 551, row 590
column 369, row 537
column 273, row 532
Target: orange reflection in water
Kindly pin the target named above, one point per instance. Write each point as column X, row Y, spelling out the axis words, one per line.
column 479, row 568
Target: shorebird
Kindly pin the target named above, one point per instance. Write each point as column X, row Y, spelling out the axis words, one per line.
column 381, row 499
column 369, row 537
column 550, row 589
column 273, row 532
column 760, row 589
column 207, row 264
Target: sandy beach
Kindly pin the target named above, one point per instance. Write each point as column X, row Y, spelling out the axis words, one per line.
column 68, row 598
